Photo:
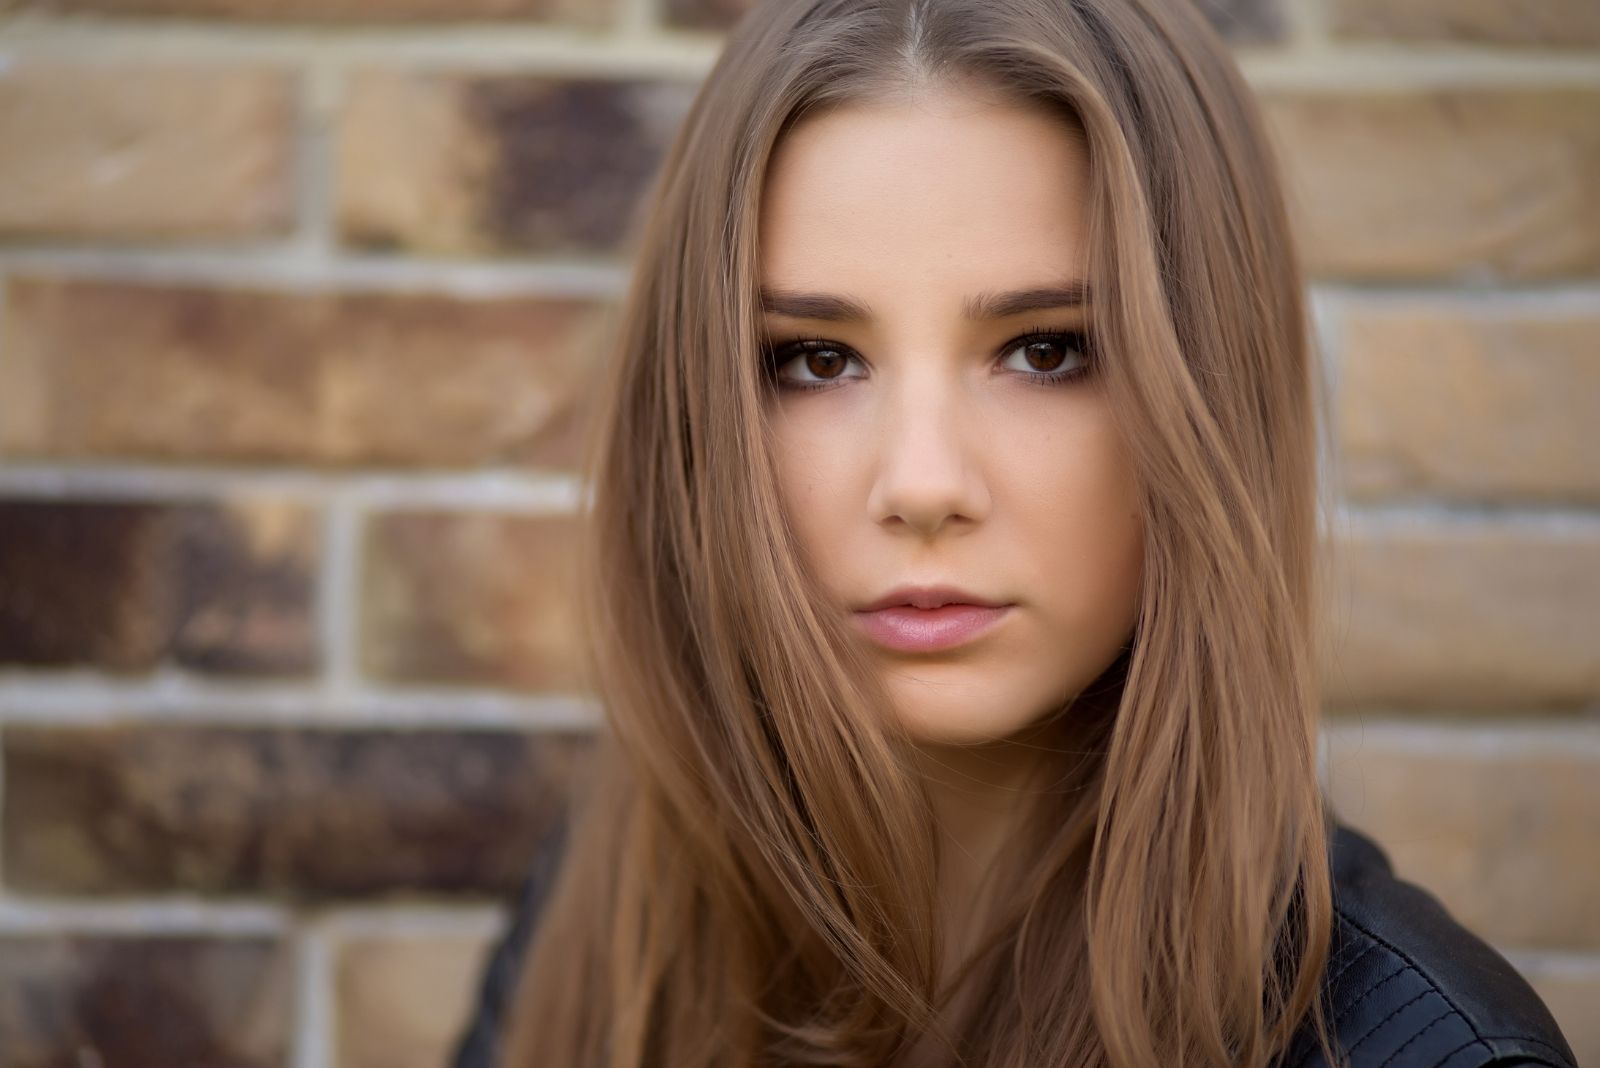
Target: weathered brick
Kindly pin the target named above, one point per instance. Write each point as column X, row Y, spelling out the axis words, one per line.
column 472, row 598
column 298, row 813
column 1499, row 824
column 149, row 153
column 1449, row 400
column 225, row 588
column 470, row 164
column 1466, row 182
column 1466, row 613
column 197, row 374
column 145, row 1000
column 1546, row 24
column 588, row 13
column 403, row 1002
column 1240, row 21
column 1571, row 988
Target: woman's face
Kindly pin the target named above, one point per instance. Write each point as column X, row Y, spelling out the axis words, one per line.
column 950, row 440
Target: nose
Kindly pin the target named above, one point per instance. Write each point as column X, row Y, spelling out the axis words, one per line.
column 929, row 467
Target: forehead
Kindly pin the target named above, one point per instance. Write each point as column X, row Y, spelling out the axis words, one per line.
column 938, row 189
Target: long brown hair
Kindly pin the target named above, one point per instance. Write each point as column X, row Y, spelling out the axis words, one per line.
column 750, row 876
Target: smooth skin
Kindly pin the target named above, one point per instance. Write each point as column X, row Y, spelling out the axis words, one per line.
column 935, row 451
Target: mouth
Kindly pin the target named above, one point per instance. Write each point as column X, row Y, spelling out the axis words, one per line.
column 929, row 619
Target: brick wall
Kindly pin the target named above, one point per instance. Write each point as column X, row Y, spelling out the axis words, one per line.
column 298, row 305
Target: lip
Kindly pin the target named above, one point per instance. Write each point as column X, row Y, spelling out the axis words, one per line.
column 929, row 597
column 923, row 619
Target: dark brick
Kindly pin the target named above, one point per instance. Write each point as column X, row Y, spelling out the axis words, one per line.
column 69, row 1001
column 1239, row 21
column 296, row 813
column 531, row 164
column 125, row 586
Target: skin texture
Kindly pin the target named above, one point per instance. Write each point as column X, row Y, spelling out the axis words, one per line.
column 931, row 457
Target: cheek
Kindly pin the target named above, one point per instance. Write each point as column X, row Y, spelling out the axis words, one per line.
column 1083, row 532
column 812, row 482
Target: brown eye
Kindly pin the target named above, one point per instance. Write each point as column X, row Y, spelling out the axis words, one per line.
column 1044, row 355
column 1050, row 356
column 824, row 361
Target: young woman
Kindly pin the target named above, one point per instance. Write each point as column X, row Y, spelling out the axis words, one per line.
column 952, row 584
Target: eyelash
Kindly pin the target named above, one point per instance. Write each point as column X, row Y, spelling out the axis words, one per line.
column 780, row 353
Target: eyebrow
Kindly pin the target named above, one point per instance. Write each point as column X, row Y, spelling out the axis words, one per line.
column 993, row 305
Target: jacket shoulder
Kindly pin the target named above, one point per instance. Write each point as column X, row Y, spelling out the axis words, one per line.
column 1407, row 986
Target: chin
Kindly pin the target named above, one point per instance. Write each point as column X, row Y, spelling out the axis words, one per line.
column 937, row 713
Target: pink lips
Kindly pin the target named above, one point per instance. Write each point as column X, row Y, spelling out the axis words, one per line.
column 919, row 630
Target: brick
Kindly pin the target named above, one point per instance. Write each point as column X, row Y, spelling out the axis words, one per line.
column 587, row 13
column 144, row 153
column 474, row 164
column 1463, row 614
column 1445, row 183
column 196, row 374
column 1499, row 824
column 1239, row 21
column 1571, row 990
column 226, row 588
column 1446, row 400
column 471, row 598
column 403, row 1002
column 1546, row 24
column 296, row 813
column 145, row 1000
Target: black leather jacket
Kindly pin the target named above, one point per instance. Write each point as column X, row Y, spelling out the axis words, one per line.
column 1407, row 985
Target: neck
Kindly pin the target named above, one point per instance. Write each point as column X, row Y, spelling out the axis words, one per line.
column 980, row 792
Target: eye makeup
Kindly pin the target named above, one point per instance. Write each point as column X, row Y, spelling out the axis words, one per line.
column 778, row 354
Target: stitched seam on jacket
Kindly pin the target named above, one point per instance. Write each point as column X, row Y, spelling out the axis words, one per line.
column 1351, row 963
column 1395, row 1012
column 1436, row 1021
column 1562, row 1057
column 1397, row 951
column 1465, row 1045
column 1328, row 988
column 1344, row 1012
column 1348, row 1009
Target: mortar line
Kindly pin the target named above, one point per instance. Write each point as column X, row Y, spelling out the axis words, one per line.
column 338, row 601
column 79, row 698
column 320, row 89
column 297, row 268
column 314, row 1024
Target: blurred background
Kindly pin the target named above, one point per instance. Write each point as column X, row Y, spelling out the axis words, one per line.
column 300, row 302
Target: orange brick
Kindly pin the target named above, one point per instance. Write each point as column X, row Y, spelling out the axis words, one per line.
column 1443, row 183
column 197, row 374
column 1570, row 986
column 1547, row 24
column 576, row 12
column 404, row 1001
column 1500, row 824
column 1481, row 613
column 142, row 153
column 1444, row 399
column 471, row 598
